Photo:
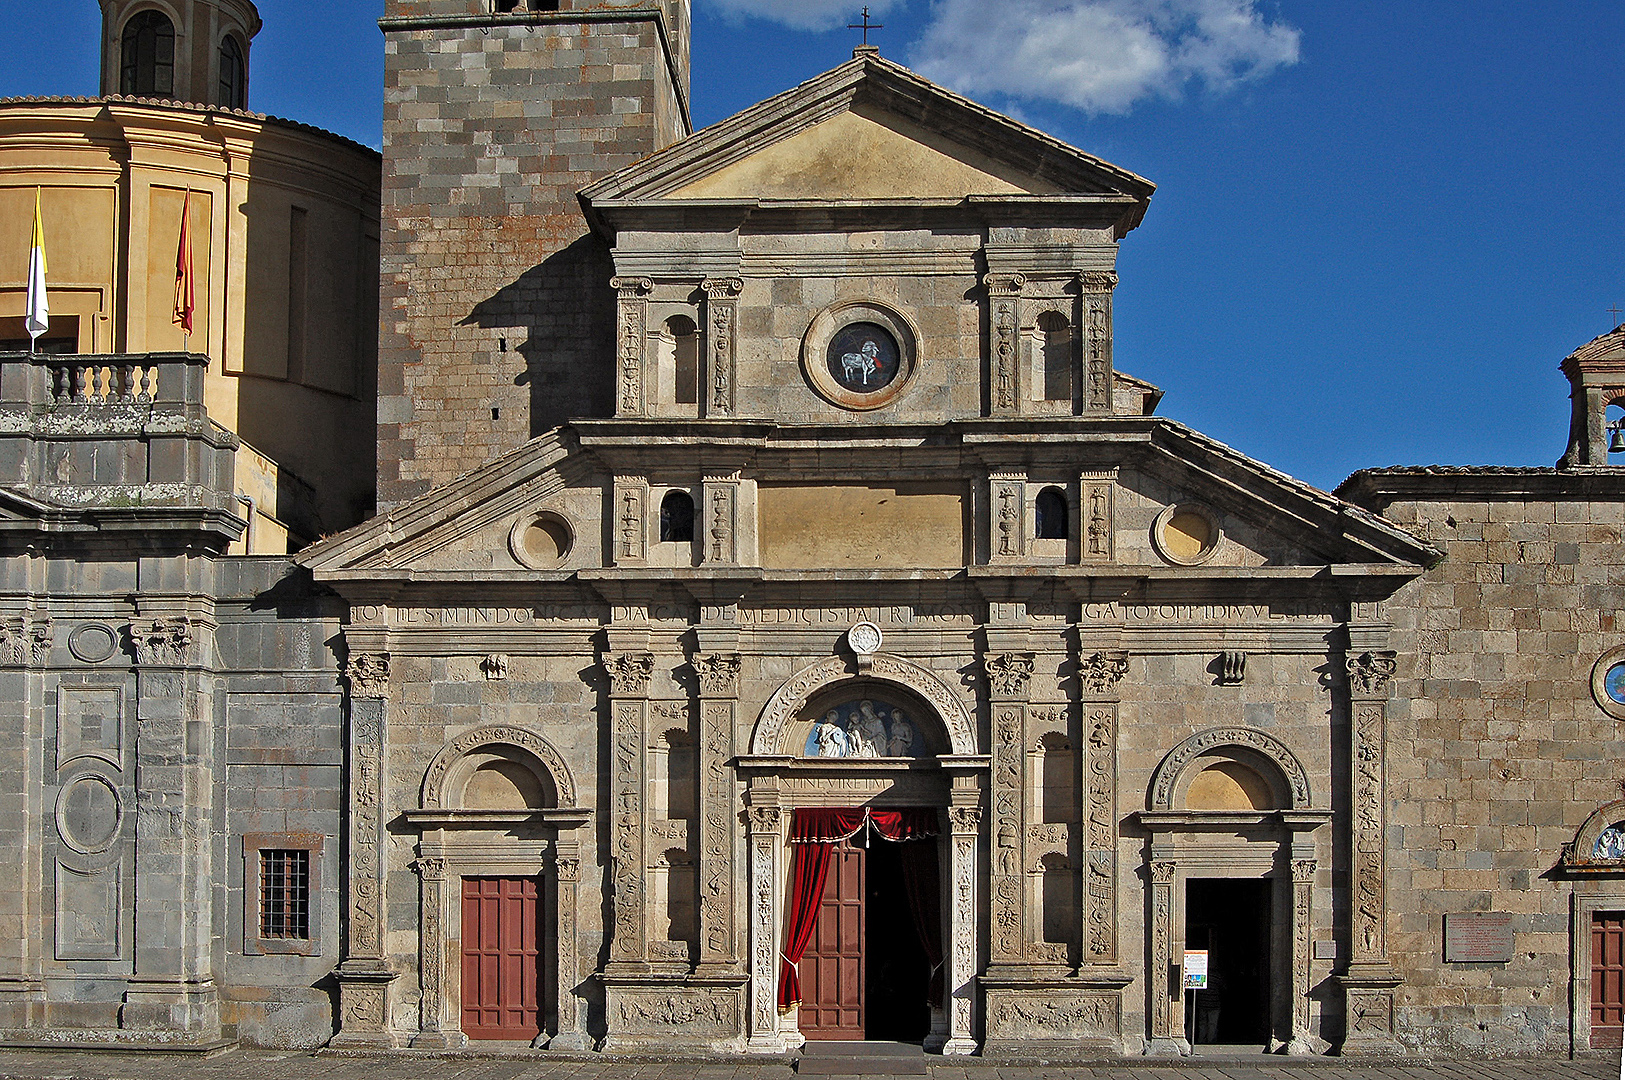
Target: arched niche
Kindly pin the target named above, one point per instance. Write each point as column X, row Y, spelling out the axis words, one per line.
column 1581, row 855
column 503, row 752
column 788, row 711
column 1250, row 765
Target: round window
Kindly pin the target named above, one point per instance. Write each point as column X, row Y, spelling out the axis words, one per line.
column 1613, row 683
column 1608, row 682
column 863, row 358
column 1186, row 535
column 541, row 541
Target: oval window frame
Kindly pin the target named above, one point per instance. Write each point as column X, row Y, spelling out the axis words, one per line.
column 516, row 539
column 1159, row 534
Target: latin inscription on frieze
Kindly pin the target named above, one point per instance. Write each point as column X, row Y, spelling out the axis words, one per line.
column 459, row 617
column 1197, row 613
column 833, row 618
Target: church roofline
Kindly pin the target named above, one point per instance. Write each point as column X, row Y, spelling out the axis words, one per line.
column 897, row 89
column 1377, row 489
column 172, row 106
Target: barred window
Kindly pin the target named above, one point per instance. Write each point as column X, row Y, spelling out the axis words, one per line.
column 285, row 893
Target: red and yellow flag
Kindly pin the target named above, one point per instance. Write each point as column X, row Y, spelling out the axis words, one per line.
column 183, row 269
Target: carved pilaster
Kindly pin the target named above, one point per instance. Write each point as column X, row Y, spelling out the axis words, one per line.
column 1097, row 340
column 1009, row 677
column 719, row 684
column 432, row 1025
column 629, row 522
column 1097, row 531
column 720, row 521
column 1100, row 834
column 763, row 823
column 1303, row 922
column 567, row 875
column 26, row 641
column 1162, row 981
column 1007, row 514
column 1369, row 980
column 163, row 642
column 1101, row 671
column 722, row 317
column 628, row 686
column 1004, row 328
column 964, row 823
column 632, row 315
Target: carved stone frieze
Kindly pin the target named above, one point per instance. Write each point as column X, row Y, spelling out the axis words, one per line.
column 716, row 829
column 1005, row 322
column 702, row 1012
column 1101, row 671
column 366, row 829
column 1052, row 1015
column 1371, row 672
column 628, row 673
column 1009, row 815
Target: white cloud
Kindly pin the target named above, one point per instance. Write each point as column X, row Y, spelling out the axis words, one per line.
column 1096, row 55
column 804, row 14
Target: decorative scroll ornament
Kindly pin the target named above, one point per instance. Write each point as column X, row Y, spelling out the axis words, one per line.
column 368, row 674
column 1097, row 281
column 718, row 673
column 1370, row 672
column 1008, row 673
column 628, row 672
column 1103, row 670
column 162, row 642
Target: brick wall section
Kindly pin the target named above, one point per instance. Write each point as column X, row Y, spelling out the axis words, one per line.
column 1497, row 752
column 497, row 320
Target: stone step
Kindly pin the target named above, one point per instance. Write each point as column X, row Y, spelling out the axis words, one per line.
column 855, row 1058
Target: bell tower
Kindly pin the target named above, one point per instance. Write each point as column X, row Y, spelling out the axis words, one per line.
column 186, row 50
column 1596, row 373
column 498, row 318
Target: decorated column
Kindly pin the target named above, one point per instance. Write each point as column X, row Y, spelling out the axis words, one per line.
column 1008, row 677
column 1167, row 1034
column 964, row 823
column 1004, row 344
column 1303, row 922
column 1097, row 340
column 567, row 884
column 432, row 957
column 1100, row 673
column 632, row 317
column 722, row 325
column 718, row 676
column 1369, row 981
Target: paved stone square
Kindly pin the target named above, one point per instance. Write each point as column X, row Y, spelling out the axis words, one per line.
column 259, row 1065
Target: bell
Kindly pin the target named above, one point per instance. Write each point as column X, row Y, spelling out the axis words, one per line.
column 1616, row 441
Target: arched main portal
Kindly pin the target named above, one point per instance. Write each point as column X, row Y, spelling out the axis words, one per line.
column 1231, row 864
column 886, row 735
column 498, row 823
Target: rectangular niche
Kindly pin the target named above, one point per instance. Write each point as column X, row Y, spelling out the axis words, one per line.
column 89, row 913
column 90, row 723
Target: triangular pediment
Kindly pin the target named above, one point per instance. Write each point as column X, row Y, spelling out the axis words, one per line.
column 869, row 130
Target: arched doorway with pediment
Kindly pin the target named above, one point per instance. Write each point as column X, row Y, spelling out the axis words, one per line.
column 1232, row 863
column 864, row 791
column 499, row 863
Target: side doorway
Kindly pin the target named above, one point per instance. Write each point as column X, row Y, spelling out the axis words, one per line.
column 1607, row 980
column 502, row 969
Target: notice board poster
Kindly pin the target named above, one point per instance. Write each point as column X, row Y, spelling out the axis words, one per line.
column 1196, row 969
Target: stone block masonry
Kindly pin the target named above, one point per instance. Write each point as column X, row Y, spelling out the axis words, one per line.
column 497, row 319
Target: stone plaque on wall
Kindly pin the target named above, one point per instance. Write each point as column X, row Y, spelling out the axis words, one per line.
column 1478, row 938
column 88, row 913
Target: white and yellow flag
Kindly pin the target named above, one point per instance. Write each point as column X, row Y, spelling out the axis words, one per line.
column 38, row 319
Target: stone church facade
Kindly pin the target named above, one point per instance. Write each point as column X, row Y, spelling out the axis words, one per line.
column 830, row 609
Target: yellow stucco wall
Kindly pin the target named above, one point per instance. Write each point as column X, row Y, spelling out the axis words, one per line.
column 112, row 177
column 902, row 527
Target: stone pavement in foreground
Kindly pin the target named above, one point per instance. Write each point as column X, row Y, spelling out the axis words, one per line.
column 262, row 1065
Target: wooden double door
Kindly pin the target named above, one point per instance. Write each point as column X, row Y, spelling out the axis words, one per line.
column 502, row 970
column 865, row 974
column 1607, row 980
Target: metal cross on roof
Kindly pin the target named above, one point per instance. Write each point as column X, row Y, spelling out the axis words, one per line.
column 866, row 25
column 1614, row 311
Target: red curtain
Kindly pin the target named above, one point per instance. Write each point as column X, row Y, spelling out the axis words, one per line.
column 814, row 832
column 823, row 825
column 924, row 890
column 807, row 873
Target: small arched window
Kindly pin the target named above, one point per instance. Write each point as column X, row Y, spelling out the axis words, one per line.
column 233, row 75
column 1056, row 332
column 677, row 518
column 685, row 338
column 147, row 57
column 1051, row 515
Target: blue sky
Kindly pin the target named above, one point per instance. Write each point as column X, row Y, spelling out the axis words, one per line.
column 1378, row 225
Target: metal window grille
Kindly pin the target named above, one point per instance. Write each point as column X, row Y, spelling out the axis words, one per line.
column 285, row 893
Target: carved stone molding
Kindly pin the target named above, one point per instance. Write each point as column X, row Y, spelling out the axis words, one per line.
column 628, row 673
column 718, row 674
column 1101, row 671
column 790, row 698
column 1165, row 780
column 1371, row 672
column 368, row 675
column 433, row 794
column 1008, row 674
column 163, row 642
